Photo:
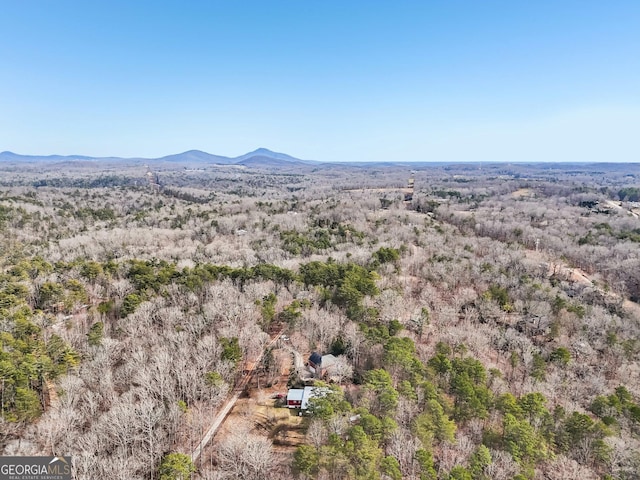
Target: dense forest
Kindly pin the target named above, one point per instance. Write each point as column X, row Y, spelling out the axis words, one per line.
column 487, row 325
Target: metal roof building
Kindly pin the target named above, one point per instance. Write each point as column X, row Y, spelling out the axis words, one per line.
column 295, row 397
column 299, row 398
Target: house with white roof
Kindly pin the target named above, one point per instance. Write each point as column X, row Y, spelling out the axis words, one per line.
column 299, row 397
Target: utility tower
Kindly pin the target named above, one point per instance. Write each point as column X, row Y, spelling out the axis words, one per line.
column 408, row 196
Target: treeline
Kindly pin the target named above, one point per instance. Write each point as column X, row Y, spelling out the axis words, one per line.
column 99, row 182
column 27, row 361
column 324, row 236
column 345, row 284
column 629, row 194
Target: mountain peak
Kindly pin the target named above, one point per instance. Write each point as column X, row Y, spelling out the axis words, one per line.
column 195, row 156
column 259, row 157
column 266, row 153
column 191, row 152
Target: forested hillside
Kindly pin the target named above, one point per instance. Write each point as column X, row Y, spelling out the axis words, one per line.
column 487, row 327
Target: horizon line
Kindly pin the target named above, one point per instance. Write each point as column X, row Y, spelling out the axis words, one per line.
column 195, row 150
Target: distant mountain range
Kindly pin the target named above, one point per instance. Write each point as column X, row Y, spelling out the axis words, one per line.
column 262, row 157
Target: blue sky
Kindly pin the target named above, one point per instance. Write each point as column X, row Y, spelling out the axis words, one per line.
column 325, row 80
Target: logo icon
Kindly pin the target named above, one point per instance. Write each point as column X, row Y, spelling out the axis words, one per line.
column 35, row 468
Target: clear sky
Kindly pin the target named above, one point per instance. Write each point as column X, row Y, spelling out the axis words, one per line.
column 475, row 80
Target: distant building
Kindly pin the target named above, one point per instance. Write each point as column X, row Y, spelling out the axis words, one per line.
column 321, row 365
column 315, row 360
column 299, row 397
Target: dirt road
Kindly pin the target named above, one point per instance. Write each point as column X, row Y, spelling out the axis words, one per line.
column 231, row 401
column 556, row 266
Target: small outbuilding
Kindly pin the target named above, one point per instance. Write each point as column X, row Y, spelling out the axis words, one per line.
column 299, row 398
column 294, row 398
